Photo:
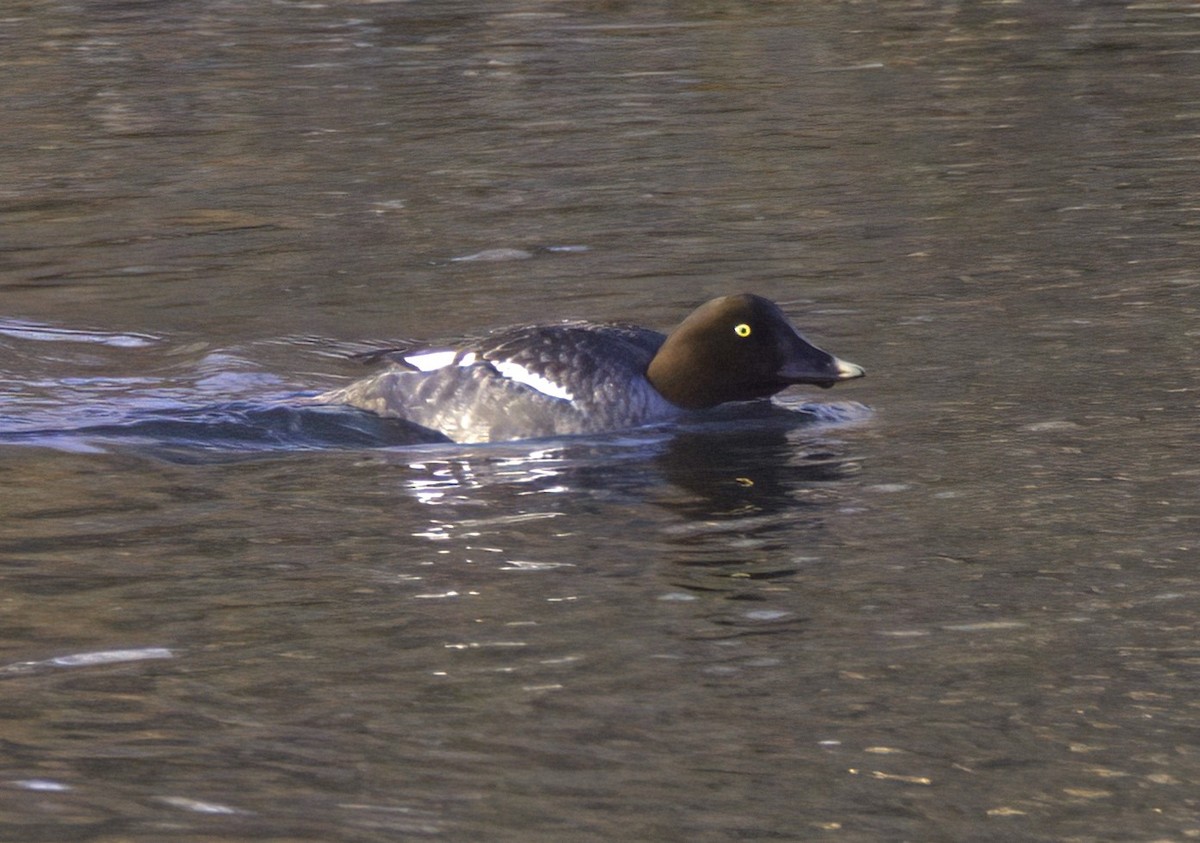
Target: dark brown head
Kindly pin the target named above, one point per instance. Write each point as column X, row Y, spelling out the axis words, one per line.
column 738, row 348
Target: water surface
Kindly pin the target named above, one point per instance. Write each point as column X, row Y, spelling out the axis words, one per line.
column 967, row 613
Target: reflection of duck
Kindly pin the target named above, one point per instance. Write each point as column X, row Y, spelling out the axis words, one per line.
column 581, row 377
column 753, row 502
column 770, row 461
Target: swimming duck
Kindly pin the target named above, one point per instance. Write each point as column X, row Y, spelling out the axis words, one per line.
column 583, row 378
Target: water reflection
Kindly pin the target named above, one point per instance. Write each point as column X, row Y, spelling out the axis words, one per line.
column 24, row 330
column 781, row 448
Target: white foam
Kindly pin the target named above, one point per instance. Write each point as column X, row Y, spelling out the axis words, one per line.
column 110, row 657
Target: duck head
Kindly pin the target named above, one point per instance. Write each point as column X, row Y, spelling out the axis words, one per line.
column 738, row 348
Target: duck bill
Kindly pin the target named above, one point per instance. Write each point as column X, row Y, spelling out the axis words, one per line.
column 847, row 371
column 824, row 374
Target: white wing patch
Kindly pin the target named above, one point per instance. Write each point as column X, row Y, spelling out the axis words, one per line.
column 517, row 372
column 430, row 361
column 427, row 361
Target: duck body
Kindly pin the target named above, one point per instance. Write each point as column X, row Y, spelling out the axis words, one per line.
column 574, row 378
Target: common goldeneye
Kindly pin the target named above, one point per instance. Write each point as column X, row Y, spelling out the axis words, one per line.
column 581, row 377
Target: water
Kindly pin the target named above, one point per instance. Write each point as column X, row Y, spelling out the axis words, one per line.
column 965, row 613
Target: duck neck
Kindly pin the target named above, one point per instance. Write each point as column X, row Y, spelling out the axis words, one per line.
column 677, row 381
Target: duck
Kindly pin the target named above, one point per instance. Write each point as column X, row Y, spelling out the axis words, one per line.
column 581, row 378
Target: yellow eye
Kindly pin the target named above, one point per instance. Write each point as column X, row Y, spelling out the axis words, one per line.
column 742, row 330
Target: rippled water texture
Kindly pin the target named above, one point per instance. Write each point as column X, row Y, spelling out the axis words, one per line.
column 954, row 601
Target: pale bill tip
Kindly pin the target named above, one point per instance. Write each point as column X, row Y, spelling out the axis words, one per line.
column 847, row 370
